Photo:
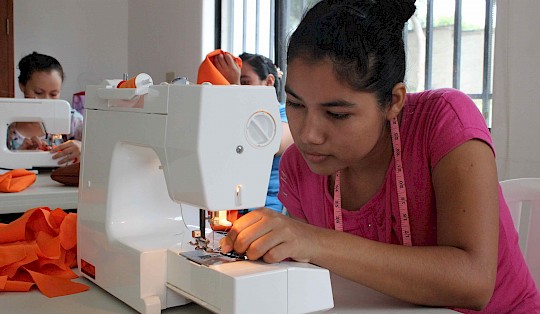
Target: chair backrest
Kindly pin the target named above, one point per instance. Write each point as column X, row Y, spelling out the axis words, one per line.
column 523, row 199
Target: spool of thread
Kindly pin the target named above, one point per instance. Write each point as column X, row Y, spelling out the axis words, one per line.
column 141, row 80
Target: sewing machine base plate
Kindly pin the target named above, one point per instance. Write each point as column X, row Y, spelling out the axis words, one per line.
column 207, row 258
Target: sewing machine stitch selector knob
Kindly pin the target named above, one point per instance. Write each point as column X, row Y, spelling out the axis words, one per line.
column 260, row 129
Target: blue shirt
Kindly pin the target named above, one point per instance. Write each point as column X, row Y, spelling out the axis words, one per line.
column 272, row 201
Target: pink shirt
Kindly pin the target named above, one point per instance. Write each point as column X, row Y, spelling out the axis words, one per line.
column 433, row 123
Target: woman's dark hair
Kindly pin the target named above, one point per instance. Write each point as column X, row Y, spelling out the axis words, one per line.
column 262, row 66
column 37, row 62
column 362, row 38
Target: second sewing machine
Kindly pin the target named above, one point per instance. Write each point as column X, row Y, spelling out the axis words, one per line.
column 53, row 115
column 155, row 160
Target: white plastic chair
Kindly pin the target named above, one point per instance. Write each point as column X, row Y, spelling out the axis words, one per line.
column 523, row 199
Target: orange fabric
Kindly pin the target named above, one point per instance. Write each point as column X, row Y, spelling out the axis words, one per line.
column 3, row 281
column 16, row 180
column 21, row 286
column 68, row 236
column 53, row 286
column 10, row 254
column 40, row 248
column 208, row 71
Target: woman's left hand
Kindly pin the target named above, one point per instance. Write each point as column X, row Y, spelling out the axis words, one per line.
column 69, row 151
column 264, row 233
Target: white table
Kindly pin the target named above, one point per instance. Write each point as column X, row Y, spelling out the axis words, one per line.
column 349, row 297
column 44, row 192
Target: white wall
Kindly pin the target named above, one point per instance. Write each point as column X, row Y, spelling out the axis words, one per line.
column 88, row 37
column 102, row 39
column 169, row 36
column 516, row 105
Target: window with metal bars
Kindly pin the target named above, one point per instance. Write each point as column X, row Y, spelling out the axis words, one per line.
column 449, row 43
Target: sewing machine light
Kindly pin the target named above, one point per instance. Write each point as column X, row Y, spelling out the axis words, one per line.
column 238, row 196
column 219, row 218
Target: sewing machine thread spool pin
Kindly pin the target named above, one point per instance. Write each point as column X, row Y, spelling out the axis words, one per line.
column 140, row 80
column 181, row 80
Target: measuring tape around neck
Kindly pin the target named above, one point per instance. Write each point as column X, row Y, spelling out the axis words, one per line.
column 400, row 186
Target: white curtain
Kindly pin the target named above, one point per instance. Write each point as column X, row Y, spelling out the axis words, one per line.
column 516, row 90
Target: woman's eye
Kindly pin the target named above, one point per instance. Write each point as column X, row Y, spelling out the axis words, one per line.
column 338, row 116
column 291, row 104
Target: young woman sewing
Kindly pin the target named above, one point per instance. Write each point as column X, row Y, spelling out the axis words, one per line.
column 396, row 191
column 41, row 77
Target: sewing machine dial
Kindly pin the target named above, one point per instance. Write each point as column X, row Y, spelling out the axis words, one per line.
column 260, row 129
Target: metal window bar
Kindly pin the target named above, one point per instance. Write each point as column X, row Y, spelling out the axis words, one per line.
column 486, row 93
column 244, row 25
column 429, row 45
column 457, row 46
column 230, row 29
column 217, row 23
column 278, row 28
column 257, row 24
column 488, row 50
column 240, row 35
column 273, row 33
column 282, row 12
column 405, row 35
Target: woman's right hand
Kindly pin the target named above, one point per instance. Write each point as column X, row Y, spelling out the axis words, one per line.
column 66, row 152
column 264, row 233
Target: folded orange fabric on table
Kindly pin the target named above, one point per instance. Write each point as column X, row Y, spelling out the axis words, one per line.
column 40, row 248
column 208, row 71
column 16, row 180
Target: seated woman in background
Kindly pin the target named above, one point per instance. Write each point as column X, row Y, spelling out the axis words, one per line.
column 41, row 77
column 259, row 70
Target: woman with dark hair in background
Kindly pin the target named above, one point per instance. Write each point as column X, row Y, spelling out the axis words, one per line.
column 41, row 77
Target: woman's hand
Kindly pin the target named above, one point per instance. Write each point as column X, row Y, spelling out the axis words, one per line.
column 33, row 143
column 266, row 234
column 228, row 68
column 69, row 151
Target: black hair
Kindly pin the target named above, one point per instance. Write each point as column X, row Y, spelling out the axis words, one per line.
column 37, row 62
column 362, row 38
column 262, row 66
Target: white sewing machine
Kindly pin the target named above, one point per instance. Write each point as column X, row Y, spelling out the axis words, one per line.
column 55, row 114
column 154, row 160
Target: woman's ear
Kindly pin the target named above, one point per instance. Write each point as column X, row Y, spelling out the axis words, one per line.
column 22, row 87
column 399, row 92
column 270, row 79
